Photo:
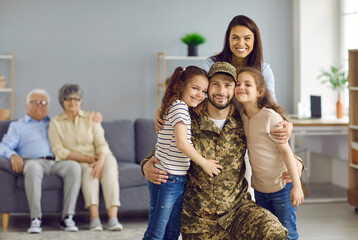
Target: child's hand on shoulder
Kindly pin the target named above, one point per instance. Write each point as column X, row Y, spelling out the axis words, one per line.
column 297, row 196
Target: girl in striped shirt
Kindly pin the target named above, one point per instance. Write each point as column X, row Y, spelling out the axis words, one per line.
column 174, row 149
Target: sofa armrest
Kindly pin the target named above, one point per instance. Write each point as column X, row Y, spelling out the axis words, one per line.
column 5, row 165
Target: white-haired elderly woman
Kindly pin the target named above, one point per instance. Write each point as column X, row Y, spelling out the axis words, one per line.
column 74, row 136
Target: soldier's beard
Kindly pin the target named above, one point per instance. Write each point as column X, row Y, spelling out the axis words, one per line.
column 217, row 105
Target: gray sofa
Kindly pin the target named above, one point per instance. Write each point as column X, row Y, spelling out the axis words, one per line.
column 130, row 142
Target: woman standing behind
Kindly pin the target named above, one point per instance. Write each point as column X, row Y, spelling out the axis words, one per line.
column 73, row 135
column 243, row 48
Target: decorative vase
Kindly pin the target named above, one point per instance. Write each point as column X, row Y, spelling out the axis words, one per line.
column 339, row 107
column 192, row 50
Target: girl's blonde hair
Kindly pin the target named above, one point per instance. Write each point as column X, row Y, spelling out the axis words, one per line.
column 265, row 100
column 176, row 85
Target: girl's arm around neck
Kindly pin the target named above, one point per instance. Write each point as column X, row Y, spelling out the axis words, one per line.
column 211, row 167
column 290, row 161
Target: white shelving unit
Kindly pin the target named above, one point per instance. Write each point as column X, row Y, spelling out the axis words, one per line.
column 11, row 58
column 161, row 70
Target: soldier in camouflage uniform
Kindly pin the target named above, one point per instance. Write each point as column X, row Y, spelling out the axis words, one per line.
column 220, row 208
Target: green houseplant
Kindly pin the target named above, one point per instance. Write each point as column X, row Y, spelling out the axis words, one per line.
column 337, row 79
column 193, row 40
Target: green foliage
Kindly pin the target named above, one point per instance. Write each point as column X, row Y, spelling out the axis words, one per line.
column 193, row 39
column 336, row 78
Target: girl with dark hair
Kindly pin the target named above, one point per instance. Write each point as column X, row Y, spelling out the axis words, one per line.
column 243, row 48
column 268, row 158
column 174, row 149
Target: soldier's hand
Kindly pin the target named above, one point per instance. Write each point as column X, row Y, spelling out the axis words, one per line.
column 17, row 163
column 153, row 174
column 159, row 122
column 282, row 131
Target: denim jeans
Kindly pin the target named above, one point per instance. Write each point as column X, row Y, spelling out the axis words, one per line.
column 279, row 203
column 165, row 208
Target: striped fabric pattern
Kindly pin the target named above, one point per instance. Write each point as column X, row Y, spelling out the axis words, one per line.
column 171, row 159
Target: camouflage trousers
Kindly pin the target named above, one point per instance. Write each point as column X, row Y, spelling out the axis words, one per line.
column 251, row 222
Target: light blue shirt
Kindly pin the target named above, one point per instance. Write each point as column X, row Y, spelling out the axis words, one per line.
column 27, row 138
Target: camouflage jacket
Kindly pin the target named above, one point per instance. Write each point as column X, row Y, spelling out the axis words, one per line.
column 212, row 201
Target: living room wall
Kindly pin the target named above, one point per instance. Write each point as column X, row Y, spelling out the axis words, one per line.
column 109, row 47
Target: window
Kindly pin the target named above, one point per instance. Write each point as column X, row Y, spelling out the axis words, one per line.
column 349, row 27
column 349, row 36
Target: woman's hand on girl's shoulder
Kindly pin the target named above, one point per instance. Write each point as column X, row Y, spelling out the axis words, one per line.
column 282, row 132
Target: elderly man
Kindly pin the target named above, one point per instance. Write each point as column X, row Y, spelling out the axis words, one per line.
column 27, row 147
column 220, row 208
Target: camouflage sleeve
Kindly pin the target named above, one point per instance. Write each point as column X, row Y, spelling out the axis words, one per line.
column 145, row 160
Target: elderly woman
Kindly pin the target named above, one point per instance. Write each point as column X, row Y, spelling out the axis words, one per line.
column 73, row 135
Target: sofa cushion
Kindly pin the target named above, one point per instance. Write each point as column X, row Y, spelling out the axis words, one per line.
column 3, row 128
column 6, row 166
column 145, row 137
column 120, row 137
column 49, row 182
column 130, row 175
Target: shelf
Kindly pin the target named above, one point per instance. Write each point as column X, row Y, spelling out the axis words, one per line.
column 6, row 56
column 11, row 58
column 6, row 90
column 353, row 165
column 185, row 58
column 353, row 127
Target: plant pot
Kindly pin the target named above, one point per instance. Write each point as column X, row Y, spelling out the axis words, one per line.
column 339, row 107
column 192, row 50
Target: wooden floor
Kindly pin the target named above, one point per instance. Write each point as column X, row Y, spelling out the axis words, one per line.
column 325, row 215
column 328, row 221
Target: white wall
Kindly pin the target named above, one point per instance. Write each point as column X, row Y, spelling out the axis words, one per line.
column 109, row 47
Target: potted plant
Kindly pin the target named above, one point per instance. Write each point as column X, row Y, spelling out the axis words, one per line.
column 337, row 79
column 193, row 40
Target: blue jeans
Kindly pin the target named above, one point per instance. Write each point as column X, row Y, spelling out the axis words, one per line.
column 165, row 208
column 279, row 203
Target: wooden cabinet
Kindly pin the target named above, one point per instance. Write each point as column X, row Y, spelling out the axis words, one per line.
column 353, row 128
column 7, row 79
column 162, row 58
